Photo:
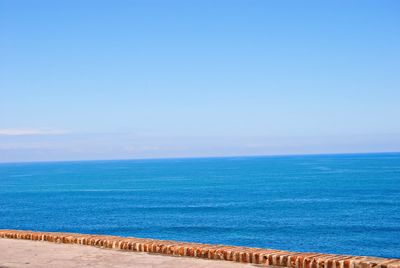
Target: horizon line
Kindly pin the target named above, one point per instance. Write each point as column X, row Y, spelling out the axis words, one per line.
column 196, row 157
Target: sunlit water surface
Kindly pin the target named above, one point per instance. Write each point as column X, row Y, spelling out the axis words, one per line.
column 348, row 204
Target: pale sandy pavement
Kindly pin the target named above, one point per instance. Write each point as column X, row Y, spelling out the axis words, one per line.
column 24, row 253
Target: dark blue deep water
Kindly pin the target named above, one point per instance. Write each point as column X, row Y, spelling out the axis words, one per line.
column 348, row 204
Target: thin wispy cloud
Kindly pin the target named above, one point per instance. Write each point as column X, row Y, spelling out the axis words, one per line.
column 30, row 132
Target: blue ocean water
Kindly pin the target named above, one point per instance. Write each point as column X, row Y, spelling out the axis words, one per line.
column 345, row 204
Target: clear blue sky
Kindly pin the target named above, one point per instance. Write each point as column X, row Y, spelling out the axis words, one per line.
column 99, row 79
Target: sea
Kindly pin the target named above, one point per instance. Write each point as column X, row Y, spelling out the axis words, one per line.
column 340, row 204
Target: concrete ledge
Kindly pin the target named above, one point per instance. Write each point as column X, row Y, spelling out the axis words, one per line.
column 215, row 252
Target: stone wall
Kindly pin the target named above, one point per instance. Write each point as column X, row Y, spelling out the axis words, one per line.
column 216, row 252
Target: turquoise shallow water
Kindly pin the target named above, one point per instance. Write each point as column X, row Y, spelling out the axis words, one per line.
column 347, row 204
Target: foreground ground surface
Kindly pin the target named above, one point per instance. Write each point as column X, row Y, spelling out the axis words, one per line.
column 23, row 253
